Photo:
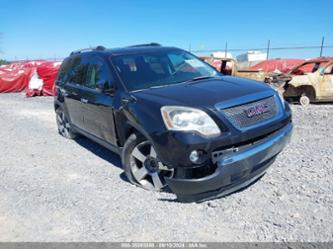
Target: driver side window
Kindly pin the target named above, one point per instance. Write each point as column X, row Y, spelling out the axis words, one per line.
column 96, row 73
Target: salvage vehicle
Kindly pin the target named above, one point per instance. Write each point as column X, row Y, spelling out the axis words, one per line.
column 175, row 121
column 310, row 81
column 229, row 66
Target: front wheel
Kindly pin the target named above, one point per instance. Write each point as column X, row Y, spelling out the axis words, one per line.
column 142, row 165
column 64, row 127
column 304, row 100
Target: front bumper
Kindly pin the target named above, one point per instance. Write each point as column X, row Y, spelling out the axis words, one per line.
column 234, row 170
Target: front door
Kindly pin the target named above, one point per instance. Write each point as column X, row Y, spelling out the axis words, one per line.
column 98, row 106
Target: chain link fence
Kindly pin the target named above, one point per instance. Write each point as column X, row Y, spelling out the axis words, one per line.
column 301, row 51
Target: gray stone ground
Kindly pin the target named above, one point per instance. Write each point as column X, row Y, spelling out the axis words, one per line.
column 52, row 189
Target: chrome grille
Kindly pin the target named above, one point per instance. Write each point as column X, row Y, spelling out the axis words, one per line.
column 253, row 113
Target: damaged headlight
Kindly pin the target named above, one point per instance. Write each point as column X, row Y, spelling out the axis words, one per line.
column 180, row 118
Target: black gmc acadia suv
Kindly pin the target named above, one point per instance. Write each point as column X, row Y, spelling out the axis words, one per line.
column 174, row 119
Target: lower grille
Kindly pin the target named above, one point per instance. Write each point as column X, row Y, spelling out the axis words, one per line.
column 253, row 113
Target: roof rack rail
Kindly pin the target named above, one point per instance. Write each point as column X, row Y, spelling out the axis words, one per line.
column 152, row 44
column 98, row 48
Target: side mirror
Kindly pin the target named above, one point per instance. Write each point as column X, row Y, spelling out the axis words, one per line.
column 104, row 87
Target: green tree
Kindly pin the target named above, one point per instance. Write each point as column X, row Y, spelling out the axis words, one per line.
column 3, row 62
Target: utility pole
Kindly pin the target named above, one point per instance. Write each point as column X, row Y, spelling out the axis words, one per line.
column 189, row 47
column 268, row 47
column 226, row 49
column 322, row 46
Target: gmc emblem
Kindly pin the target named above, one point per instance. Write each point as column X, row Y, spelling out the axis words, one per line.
column 257, row 110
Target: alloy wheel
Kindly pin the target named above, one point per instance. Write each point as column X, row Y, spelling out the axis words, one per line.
column 147, row 169
column 63, row 125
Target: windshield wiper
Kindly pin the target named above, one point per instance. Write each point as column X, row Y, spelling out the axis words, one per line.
column 151, row 87
column 180, row 82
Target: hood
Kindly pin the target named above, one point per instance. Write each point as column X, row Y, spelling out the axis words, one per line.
column 204, row 93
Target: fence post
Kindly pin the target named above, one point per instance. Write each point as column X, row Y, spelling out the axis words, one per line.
column 268, row 48
column 322, row 46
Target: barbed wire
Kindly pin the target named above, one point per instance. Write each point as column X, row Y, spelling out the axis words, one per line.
column 267, row 49
column 260, row 49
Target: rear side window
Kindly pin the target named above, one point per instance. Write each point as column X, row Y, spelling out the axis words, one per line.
column 78, row 70
column 63, row 72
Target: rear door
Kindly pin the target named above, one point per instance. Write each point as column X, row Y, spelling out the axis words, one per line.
column 73, row 91
column 98, row 106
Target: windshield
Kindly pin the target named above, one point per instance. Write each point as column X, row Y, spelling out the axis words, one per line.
column 160, row 68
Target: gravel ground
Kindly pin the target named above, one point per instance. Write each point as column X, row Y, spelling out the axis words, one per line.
column 53, row 189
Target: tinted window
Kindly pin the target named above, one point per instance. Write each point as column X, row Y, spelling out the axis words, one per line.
column 63, row 72
column 78, row 70
column 96, row 73
column 160, row 68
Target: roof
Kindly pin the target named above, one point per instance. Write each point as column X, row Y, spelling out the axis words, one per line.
column 125, row 50
column 134, row 50
column 318, row 60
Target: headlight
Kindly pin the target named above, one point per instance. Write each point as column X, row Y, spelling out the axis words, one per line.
column 180, row 118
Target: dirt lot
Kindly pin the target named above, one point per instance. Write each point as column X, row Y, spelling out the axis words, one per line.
column 52, row 189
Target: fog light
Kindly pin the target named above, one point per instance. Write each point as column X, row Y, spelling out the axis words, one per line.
column 194, row 156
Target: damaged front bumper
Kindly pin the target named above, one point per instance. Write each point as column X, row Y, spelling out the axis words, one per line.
column 235, row 170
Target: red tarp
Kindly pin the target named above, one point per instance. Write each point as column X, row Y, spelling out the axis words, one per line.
column 47, row 71
column 17, row 77
column 283, row 66
column 14, row 79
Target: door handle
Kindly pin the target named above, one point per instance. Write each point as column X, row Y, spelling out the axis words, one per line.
column 84, row 101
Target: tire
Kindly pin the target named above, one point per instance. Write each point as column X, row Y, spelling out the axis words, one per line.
column 64, row 127
column 304, row 100
column 141, row 164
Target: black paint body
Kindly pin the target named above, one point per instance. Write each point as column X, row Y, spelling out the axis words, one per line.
column 110, row 117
